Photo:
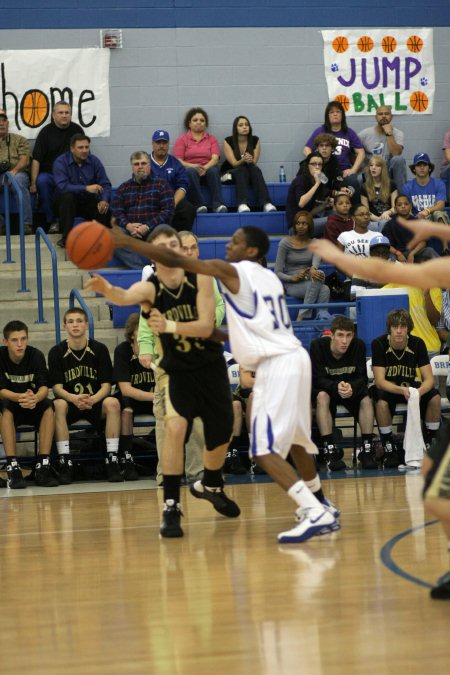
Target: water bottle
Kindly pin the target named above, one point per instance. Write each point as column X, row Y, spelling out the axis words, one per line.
column 282, row 174
column 323, row 178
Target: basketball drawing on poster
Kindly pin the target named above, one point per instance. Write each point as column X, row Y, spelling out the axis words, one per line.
column 368, row 68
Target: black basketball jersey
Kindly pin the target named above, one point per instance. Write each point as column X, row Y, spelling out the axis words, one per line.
column 30, row 373
column 400, row 365
column 177, row 352
column 80, row 371
column 127, row 368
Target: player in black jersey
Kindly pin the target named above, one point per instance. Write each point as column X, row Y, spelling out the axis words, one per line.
column 81, row 376
column 136, row 385
column 23, row 398
column 192, row 374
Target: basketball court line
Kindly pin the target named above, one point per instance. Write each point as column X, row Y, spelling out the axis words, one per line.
column 387, row 560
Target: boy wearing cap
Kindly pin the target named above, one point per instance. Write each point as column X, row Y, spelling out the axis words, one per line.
column 427, row 194
column 169, row 168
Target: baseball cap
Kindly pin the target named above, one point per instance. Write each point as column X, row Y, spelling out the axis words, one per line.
column 421, row 157
column 379, row 240
column 160, row 135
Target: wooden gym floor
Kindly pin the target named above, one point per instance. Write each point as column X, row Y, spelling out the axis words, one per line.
column 88, row 588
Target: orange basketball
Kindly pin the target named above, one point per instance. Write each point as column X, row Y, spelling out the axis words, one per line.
column 34, row 108
column 414, row 43
column 343, row 100
column 389, row 44
column 340, row 44
column 365, row 43
column 418, row 101
column 90, row 245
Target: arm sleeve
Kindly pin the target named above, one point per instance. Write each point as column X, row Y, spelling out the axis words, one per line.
column 281, row 261
column 146, row 338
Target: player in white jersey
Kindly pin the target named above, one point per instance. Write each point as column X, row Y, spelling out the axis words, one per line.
column 262, row 340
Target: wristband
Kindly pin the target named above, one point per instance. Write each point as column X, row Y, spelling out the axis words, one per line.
column 145, row 315
column 171, row 326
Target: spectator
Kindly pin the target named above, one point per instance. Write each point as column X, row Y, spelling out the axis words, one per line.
column 335, row 123
column 52, row 141
column 339, row 377
column 379, row 247
column 81, row 376
column 82, row 186
column 357, row 241
column 242, row 151
column 396, row 357
column 298, row 269
column 378, row 193
column 169, row 168
column 136, row 392
column 15, row 153
column 445, row 166
column 340, row 220
column 139, row 205
column 400, row 237
column 199, row 152
column 326, row 144
column 307, row 192
column 427, row 194
column 24, row 400
column 384, row 140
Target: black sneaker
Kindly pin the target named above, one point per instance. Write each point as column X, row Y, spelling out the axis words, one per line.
column 129, row 468
column 367, row 457
column 44, row 475
column 65, row 470
column 442, row 589
column 391, row 459
column 171, row 516
column 113, row 472
column 334, row 459
column 255, row 469
column 14, row 477
column 2, row 482
column 218, row 499
column 233, row 463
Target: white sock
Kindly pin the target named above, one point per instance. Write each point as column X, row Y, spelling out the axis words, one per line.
column 112, row 446
column 314, row 485
column 62, row 447
column 303, row 496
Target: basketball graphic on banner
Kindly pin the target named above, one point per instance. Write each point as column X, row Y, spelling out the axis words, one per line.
column 388, row 44
column 418, row 101
column 34, row 108
column 340, row 44
column 365, row 43
column 414, row 44
column 344, row 101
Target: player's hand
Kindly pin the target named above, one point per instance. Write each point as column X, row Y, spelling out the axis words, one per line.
column 157, row 321
column 97, row 284
column 406, row 393
column 146, row 360
column 421, row 230
column 325, row 249
column 28, row 400
column 81, row 401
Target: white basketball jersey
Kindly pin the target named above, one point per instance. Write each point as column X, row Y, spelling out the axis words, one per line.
column 257, row 316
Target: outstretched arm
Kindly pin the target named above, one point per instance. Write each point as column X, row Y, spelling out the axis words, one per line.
column 138, row 293
column 211, row 268
column 430, row 274
column 424, row 229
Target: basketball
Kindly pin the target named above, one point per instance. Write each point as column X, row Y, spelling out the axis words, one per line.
column 340, row 44
column 34, row 108
column 414, row 43
column 90, row 245
column 418, row 101
column 344, row 101
column 389, row 44
column 365, row 43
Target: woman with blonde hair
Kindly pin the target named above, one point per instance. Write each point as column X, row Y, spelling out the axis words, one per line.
column 378, row 193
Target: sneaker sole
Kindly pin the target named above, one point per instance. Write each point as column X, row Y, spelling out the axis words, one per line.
column 313, row 531
column 171, row 534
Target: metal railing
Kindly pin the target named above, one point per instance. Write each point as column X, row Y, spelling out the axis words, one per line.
column 40, row 234
column 10, row 182
column 76, row 295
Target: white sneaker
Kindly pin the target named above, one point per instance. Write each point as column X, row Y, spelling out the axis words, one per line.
column 269, row 207
column 243, row 208
column 221, row 209
column 312, row 521
column 54, row 228
column 226, row 178
column 202, row 209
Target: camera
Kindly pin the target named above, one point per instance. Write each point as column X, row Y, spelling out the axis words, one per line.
column 5, row 166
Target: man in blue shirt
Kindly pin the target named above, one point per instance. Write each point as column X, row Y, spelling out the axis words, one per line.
column 169, row 168
column 427, row 194
column 83, row 188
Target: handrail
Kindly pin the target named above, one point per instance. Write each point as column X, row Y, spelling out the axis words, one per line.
column 75, row 294
column 10, row 181
column 40, row 234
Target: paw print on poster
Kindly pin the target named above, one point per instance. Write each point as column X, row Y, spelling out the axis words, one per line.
column 334, row 67
column 423, row 81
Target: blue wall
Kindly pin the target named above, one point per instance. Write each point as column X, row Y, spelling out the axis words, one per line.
column 19, row 14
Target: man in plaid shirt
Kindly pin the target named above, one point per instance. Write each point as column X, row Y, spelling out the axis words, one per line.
column 139, row 205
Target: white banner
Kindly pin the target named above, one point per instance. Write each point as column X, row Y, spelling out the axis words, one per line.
column 33, row 80
column 366, row 68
